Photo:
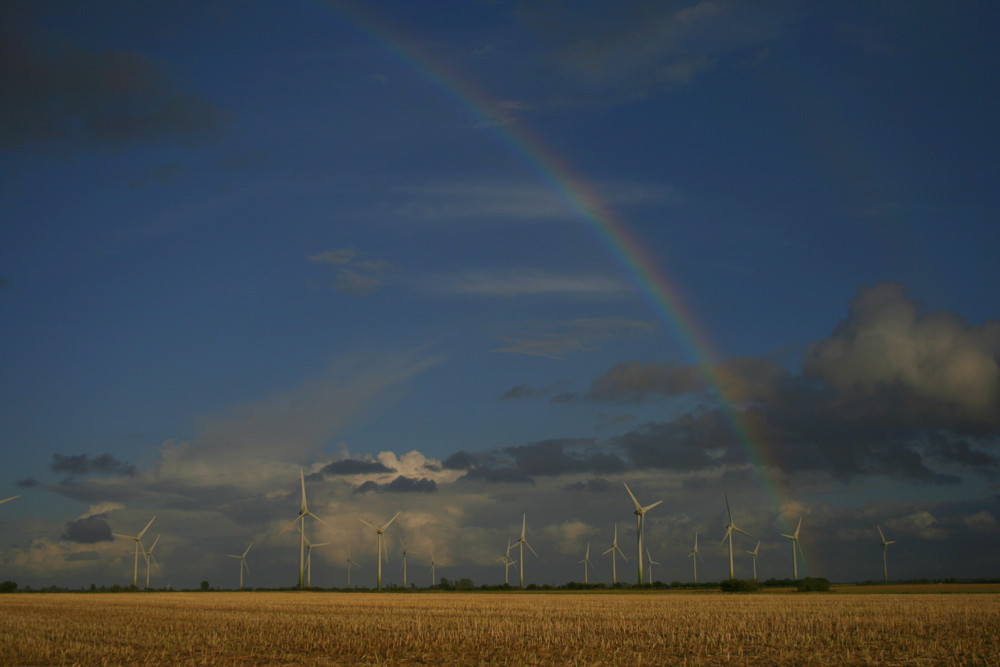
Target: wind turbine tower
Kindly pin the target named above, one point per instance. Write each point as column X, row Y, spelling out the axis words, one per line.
column 640, row 515
column 350, row 564
column 138, row 547
column 651, row 562
column 586, row 565
column 148, row 556
column 301, row 520
column 243, row 562
column 309, row 559
column 507, row 563
column 794, row 537
column 521, row 543
column 885, row 548
column 694, row 555
column 380, row 539
column 730, row 527
column 753, row 554
column 613, row 550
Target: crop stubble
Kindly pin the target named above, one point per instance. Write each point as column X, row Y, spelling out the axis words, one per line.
column 499, row 629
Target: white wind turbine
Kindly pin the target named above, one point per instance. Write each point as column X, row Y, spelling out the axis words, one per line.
column 753, row 554
column 794, row 537
column 138, row 547
column 405, row 554
column 885, row 548
column 613, row 550
column 640, row 515
column 301, row 520
column 309, row 555
column 521, row 543
column 587, row 565
column 243, row 563
column 380, row 539
column 7, row 500
column 350, row 564
column 651, row 563
column 694, row 555
column 147, row 554
column 434, row 564
column 730, row 527
column 507, row 563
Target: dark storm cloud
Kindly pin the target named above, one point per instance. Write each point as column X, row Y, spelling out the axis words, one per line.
column 66, row 98
column 352, row 467
column 520, row 391
column 893, row 391
column 401, row 484
column 82, row 464
column 563, row 456
column 27, row 483
column 593, row 485
column 460, row 460
column 88, row 530
column 497, row 475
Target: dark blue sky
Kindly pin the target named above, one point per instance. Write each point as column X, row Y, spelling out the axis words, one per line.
column 244, row 238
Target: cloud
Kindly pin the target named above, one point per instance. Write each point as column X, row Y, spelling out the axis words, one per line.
column 927, row 368
column 83, row 464
column 401, row 484
column 359, row 275
column 504, row 202
column 556, row 339
column 354, row 467
column 509, row 283
column 88, row 530
column 636, row 46
column 28, row 483
column 66, row 98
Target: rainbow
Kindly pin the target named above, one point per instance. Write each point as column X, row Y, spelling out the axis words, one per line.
column 613, row 233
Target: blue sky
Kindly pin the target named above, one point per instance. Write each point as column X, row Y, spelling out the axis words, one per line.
column 248, row 238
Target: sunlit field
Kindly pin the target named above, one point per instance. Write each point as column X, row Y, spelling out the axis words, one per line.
column 703, row 628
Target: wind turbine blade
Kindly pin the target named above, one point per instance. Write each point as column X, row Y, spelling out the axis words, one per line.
column 153, row 546
column 302, row 479
column 389, row 522
column 729, row 531
column 728, row 511
column 880, row 533
column 235, row 556
column 124, row 537
column 372, row 526
column 524, row 525
column 638, row 507
column 529, row 547
column 798, row 528
column 7, row 500
column 649, row 507
column 244, row 561
column 318, row 519
column 291, row 525
column 740, row 530
column 247, row 551
column 143, row 531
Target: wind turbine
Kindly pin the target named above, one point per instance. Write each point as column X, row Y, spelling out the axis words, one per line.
column 640, row 515
column 434, row 564
column 753, row 554
column 301, row 520
column 243, row 563
column 614, row 549
column 521, row 543
column 6, row 500
column 350, row 564
column 507, row 562
column 694, row 555
column 147, row 554
column 730, row 527
column 794, row 537
column 380, row 539
column 138, row 546
column 405, row 553
column 309, row 555
column 885, row 548
column 587, row 564
column 651, row 564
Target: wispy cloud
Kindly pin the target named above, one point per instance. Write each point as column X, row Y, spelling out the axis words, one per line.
column 359, row 273
column 509, row 283
column 557, row 339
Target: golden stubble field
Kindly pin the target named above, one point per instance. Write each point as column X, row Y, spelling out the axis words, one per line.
column 500, row 629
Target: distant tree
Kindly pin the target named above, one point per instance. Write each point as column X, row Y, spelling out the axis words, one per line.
column 739, row 586
column 813, row 585
column 8, row 586
column 205, row 586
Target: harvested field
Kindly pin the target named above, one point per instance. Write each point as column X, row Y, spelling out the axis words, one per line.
column 499, row 629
